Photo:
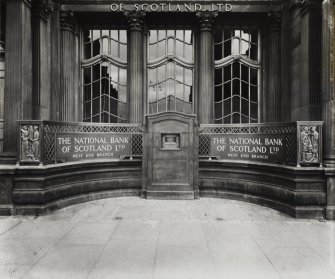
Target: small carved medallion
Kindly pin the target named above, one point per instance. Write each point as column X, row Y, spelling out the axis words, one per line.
column 42, row 8
column 206, row 20
column 136, row 20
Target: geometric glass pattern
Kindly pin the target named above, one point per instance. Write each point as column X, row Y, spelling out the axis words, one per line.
column 237, row 73
column 170, row 71
column 104, row 76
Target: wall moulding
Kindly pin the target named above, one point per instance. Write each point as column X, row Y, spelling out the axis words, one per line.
column 170, row 6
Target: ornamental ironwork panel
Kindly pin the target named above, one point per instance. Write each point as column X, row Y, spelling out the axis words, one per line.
column 294, row 143
column 38, row 139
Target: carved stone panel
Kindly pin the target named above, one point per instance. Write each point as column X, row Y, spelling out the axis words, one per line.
column 309, row 143
column 30, row 143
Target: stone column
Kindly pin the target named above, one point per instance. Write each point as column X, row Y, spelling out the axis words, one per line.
column 2, row 68
column 273, row 77
column 205, row 68
column 328, row 102
column 285, row 63
column 136, row 66
column 55, row 35
column 41, row 9
column 68, row 89
column 18, row 68
column 328, row 86
column 310, row 67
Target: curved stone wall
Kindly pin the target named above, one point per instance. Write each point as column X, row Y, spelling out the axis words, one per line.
column 299, row 192
column 37, row 190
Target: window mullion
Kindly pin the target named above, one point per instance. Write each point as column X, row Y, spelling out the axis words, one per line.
column 249, row 85
column 231, row 93
column 166, row 87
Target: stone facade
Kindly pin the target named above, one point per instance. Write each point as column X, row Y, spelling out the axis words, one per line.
column 41, row 49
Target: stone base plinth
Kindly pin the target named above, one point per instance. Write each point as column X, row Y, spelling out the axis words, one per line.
column 170, row 195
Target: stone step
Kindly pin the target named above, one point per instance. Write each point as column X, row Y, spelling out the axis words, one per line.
column 169, row 195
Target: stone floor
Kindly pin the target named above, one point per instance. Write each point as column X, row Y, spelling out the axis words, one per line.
column 137, row 238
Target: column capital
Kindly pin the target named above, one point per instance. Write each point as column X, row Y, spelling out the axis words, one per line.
column 42, row 8
column 136, row 20
column 206, row 20
column 308, row 5
column 274, row 19
column 67, row 21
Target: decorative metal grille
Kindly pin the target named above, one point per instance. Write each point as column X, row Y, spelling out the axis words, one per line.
column 289, row 130
column 170, row 71
column 51, row 129
column 236, row 75
column 104, row 76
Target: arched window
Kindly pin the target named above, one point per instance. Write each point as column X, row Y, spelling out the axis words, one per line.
column 170, row 71
column 105, row 76
column 237, row 73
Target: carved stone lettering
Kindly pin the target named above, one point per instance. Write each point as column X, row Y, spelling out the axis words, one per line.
column 87, row 146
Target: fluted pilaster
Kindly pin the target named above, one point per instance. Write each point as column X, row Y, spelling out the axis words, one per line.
column 310, row 75
column 41, row 9
column 136, row 66
column 68, row 53
column 2, row 68
column 18, row 85
column 274, row 90
column 328, row 80
column 285, row 64
column 206, row 67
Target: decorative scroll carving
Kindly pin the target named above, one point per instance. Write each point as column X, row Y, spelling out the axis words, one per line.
column 30, row 143
column 206, row 20
column 42, row 8
column 306, row 5
column 67, row 21
column 274, row 21
column 136, row 20
column 310, row 144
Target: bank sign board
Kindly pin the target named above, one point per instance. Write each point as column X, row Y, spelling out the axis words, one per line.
column 171, row 7
column 87, row 146
column 250, row 147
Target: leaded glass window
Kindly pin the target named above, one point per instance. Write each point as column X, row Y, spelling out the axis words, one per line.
column 237, row 74
column 104, row 75
column 170, row 71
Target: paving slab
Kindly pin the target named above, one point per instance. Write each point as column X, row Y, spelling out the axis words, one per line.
column 137, row 238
